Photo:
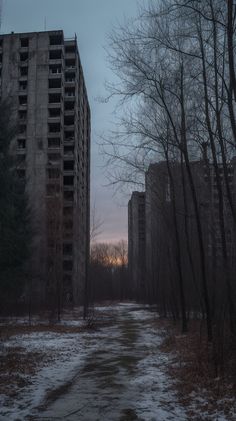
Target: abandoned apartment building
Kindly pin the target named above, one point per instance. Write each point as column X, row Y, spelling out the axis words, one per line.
column 42, row 79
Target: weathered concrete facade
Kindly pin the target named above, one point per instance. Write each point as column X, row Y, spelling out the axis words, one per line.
column 42, row 78
column 136, row 243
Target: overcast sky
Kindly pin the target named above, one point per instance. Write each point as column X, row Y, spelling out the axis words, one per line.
column 91, row 20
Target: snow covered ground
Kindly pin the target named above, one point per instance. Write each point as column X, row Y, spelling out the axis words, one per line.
column 117, row 372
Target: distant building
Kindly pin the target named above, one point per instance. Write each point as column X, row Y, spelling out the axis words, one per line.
column 170, row 219
column 136, row 243
column 41, row 76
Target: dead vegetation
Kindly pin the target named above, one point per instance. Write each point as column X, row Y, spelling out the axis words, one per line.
column 203, row 375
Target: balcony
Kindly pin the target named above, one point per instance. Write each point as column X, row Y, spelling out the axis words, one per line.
column 55, row 70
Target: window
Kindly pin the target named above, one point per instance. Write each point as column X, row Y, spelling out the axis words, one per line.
column 21, row 143
column 23, row 71
column 67, row 249
column 67, row 265
column 54, row 98
column 22, row 128
column 68, row 181
column 68, row 165
column 68, row 195
column 70, row 77
column 70, row 63
column 22, row 115
column 24, row 42
column 52, row 189
column 70, row 48
column 23, row 85
column 55, row 40
column 55, row 55
column 21, row 173
column 24, row 57
column 54, row 112
column 69, row 136
column 68, row 212
column 55, row 69
column 54, row 157
column 54, row 127
column 69, row 105
column 54, row 142
column 68, row 150
column 54, row 83
column 69, row 92
column 69, row 120
column 53, row 173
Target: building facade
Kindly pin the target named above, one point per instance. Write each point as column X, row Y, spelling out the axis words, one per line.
column 42, row 79
column 136, row 243
column 172, row 247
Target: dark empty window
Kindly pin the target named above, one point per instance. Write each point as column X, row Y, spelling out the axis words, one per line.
column 24, row 56
column 54, row 98
column 55, row 55
column 68, row 212
column 23, row 85
column 55, row 69
column 68, row 195
column 24, row 42
column 68, row 150
column 54, row 112
column 54, row 127
column 68, row 165
column 22, row 128
column 54, row 83
column 70, row 48
column 67, row 265
column 67, row 249
column 23, row 71
column 53, row 157
column 1, row 42
column 69, row 136
column 70, row 77
column 70, row 63
column 23, row 100
column 21, row 172
column 70, row 92
column 53, row 188
column 68, row 181
column 55, row 40
column 69, row 120
column 22, row 115
column 53, row 173
column 21, row 143
column 69, row 105
column 0, row 58
column 54, row 142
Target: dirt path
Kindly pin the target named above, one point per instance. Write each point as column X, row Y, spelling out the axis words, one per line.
column 123, row 376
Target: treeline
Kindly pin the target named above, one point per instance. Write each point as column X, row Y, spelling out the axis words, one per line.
column 109, row 272
column 177, row 84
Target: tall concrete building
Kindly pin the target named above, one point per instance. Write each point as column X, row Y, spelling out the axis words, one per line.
column 170, row 206
column 42, row 79
column 136, row 243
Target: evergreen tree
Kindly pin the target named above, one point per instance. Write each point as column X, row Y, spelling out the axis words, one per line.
column 15, row 232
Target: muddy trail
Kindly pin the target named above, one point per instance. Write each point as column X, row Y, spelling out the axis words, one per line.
column 122, row 378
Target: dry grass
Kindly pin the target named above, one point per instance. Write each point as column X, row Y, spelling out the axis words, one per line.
column 197, row 370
